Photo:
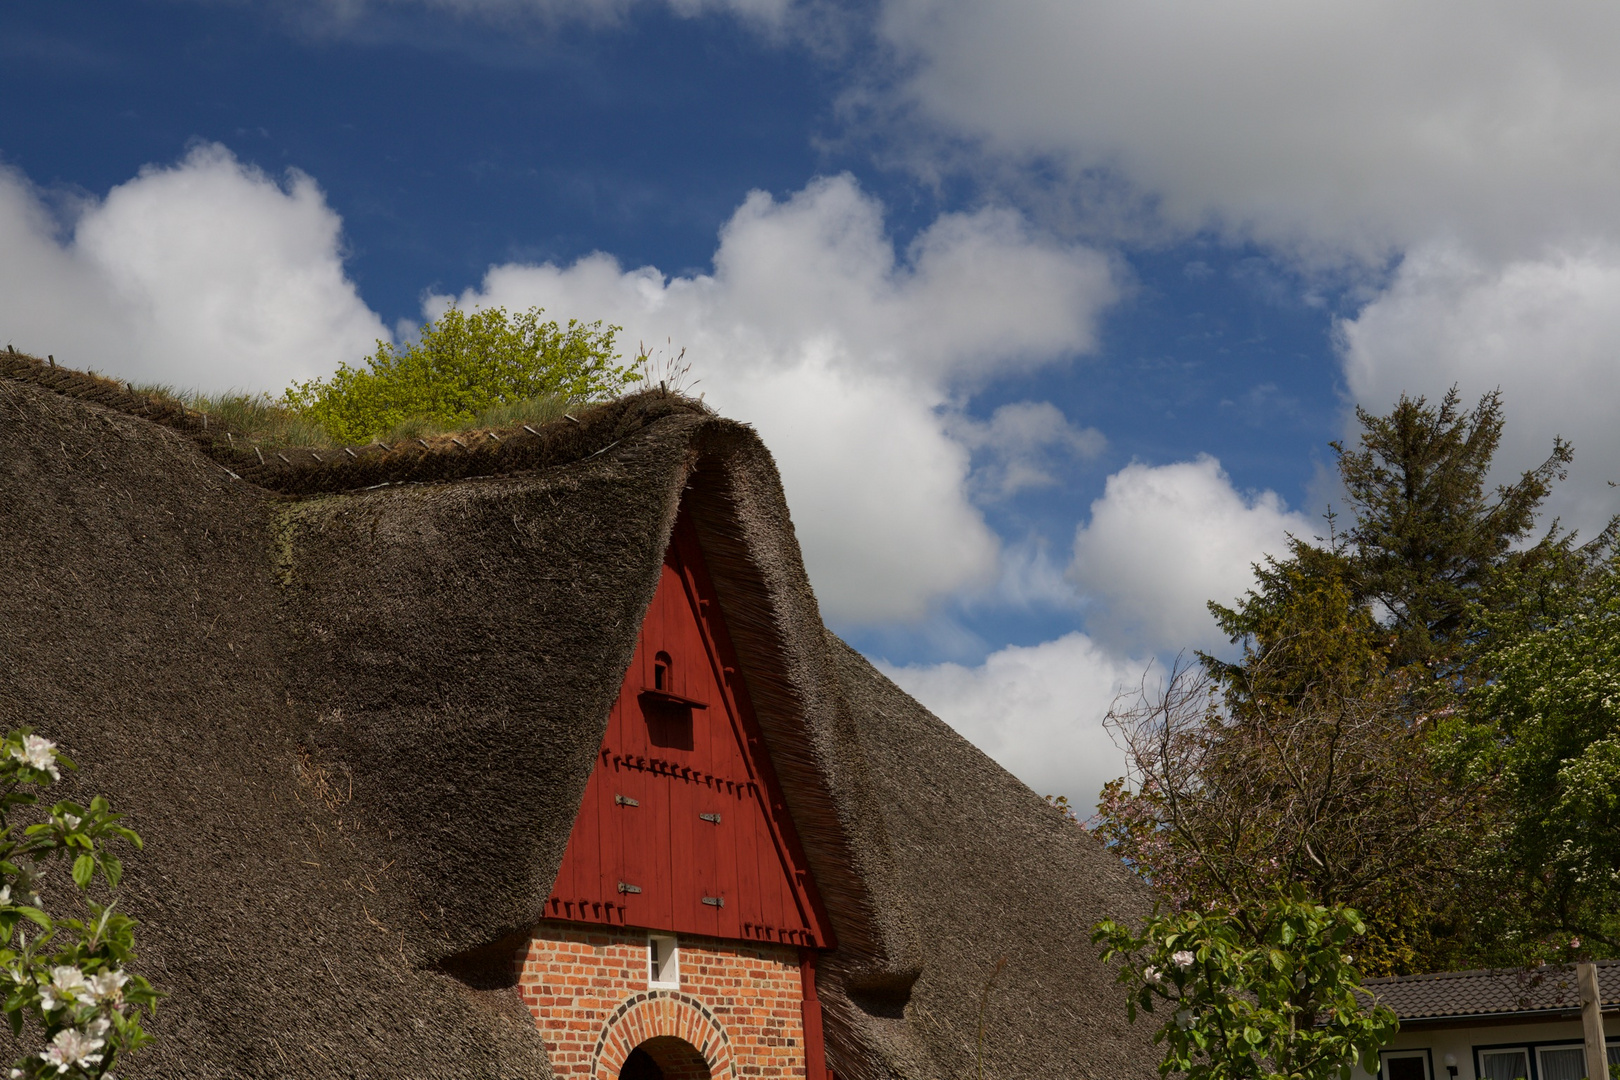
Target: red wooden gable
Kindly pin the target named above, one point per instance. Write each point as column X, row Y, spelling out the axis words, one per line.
column 683, row 827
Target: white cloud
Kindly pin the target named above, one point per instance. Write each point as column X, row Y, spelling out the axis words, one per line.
column 1163, row 541
column 1037, row 710
column 1355, row 125
column 1545, row 330
column 847, row 357
column 208, row 274
column 1024, row 442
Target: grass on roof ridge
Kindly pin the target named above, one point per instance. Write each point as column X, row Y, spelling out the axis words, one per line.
column 260, row 419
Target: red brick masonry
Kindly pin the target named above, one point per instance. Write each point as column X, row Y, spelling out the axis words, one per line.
column 739, row 1003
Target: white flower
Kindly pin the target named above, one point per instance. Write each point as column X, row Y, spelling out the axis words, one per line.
column 1347, row 958
column 72, row 1047
column 1152, row 975
column 38, row 753
column 65, row 986
column 108, row 986
column 98, row 1027
column 71, row 821
column 1182, row 958
column 5, row 895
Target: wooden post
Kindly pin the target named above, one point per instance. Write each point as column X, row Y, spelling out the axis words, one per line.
column 815, row 1052
column 1597, row 1054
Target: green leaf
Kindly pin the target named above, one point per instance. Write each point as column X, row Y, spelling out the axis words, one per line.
column 84, row 868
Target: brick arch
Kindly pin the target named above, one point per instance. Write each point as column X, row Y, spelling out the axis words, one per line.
column 655, row 1013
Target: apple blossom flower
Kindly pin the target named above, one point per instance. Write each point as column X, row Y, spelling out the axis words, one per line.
column 1182, row 958
column 71, row 821
column 38, row 753
column 64, row 988
column 72, row 1047
column 107, row 986
column 1152, row 975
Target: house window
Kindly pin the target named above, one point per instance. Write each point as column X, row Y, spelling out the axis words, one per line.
column 1504, row 1065
column 1406, row 1065
column 661, row 670
column 663, row 961
column 1561, row 1062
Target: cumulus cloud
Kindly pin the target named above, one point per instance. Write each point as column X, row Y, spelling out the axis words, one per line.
column 208, row 274
column 1037, row 710
column 1544, row 330
column 1024, row 443
column 848, row 357
column 1163, row 541
column 1356, row 125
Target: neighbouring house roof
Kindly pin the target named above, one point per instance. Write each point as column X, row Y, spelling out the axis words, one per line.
column 1509, row 993
column 351, row 702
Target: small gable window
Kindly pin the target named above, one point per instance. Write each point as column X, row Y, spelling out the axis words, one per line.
column 661, row 669
column 663, row 961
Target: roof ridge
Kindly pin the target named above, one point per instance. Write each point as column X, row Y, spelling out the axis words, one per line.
column 308, row 470
column 1429, row 976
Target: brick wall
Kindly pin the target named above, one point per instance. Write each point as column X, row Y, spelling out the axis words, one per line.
column 739, row 1005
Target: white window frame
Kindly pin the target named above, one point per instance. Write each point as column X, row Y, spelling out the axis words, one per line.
column 668, row 974
column 1421, row 1054
column 1541, row 1072
column 1524, row 1051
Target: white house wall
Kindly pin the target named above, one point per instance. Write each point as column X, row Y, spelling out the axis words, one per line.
column 1463, row 1041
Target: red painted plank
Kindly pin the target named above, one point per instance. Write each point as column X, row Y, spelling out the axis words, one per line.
column 677, row 762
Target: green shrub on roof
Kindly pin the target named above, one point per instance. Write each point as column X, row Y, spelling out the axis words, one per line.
column 462, row 365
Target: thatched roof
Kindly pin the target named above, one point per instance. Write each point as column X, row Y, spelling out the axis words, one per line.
column 353, row 724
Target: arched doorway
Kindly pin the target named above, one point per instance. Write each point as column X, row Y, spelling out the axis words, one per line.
column 665, row 1058
column 674, row 1032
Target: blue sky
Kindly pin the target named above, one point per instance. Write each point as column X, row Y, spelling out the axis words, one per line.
column 1048, row 311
